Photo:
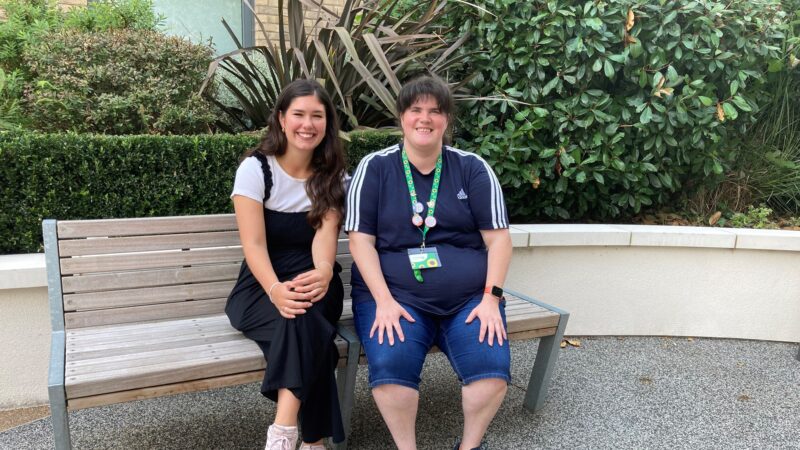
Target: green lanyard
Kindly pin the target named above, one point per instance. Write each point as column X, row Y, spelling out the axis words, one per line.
column 417, row 208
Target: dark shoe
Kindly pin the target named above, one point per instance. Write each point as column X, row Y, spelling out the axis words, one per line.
column 480, row 447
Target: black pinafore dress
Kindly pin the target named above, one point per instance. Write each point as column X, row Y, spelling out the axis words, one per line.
column 300, row 352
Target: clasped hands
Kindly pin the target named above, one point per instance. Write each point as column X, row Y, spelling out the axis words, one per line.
column 297, row 295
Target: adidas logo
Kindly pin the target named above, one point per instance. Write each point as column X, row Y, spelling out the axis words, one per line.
column 462, row 195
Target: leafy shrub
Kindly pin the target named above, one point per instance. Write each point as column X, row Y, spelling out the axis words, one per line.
column 107, row 15
column 82, row 176
column 26, row 22
column 609, row 107
column 769, row 160
column 29, row 22
column 11, row 116
column 754, row 218
column 118, row 82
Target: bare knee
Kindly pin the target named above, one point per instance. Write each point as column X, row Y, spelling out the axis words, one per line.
column 395, row 393
column 480, row 392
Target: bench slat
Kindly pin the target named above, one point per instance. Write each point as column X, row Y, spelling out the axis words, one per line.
column 145, row 226
column 245, row 357
column 346, row 261
column 144, row 332
column 146, row 296
column 153, row 260
column 144, row 313
column 191, row 350
column 524, row 323
column 154, row 375
column 104, row 246
column 522, row 335
column 151, row 326
column 168, row 389
column 150, row 278
column 342, row 246
column 87, row 351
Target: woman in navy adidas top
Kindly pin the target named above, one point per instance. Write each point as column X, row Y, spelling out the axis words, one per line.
column 429, row 236
column 288, row 196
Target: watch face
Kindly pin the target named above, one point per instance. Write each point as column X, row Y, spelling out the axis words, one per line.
column 497, row 292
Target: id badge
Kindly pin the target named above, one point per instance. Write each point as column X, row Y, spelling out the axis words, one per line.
column 424, row 258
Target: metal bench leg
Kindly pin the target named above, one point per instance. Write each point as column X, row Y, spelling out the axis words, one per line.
column 58, row 411
column 346, row 382
column 55, row 390
column 546, row 358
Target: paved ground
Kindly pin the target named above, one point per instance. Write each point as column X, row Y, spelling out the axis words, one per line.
column 609, row 393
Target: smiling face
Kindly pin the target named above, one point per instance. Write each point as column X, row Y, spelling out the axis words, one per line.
column 304, row 124
column 424, row 125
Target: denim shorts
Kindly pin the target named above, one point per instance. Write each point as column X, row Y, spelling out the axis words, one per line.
column 401, row 363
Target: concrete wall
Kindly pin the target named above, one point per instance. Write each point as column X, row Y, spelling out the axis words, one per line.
column 673, row 281
column 746, row 294
column 72, row 3
column 25, row 346
column 612, row 279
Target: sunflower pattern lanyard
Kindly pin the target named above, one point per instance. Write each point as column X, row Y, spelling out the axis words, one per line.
column 423, row 258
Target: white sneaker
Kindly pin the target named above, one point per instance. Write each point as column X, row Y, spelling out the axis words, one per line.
column 313, row 447
column 281, row 438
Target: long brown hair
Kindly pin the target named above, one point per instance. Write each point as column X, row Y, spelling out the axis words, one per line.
column 325, row 186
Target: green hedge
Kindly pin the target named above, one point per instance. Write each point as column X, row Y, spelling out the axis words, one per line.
column 74, row 176
column 612, row 107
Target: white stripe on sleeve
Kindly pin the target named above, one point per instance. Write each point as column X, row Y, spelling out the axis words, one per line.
column 496, row 193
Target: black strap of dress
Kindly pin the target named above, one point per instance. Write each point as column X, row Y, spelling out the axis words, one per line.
column 267, row 173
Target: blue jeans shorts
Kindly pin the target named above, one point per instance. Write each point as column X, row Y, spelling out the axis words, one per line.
column 401, row 363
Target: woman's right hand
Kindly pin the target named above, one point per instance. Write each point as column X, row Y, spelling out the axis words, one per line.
column 387, row 318
column 288, row 303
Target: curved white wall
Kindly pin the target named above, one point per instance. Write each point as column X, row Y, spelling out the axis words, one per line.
column 676, row 281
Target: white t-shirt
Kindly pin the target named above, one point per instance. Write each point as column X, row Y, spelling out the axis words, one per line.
column 288, row 194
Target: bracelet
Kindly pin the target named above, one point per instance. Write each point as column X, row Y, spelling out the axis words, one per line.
column 269, row 293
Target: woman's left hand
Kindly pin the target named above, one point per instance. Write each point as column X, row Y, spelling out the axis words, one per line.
column 314, row 283
column 488, row 312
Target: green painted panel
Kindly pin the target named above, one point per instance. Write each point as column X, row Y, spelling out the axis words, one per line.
column 201, row 21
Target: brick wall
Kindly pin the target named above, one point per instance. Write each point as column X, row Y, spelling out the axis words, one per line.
column 267, row 12
column 71, row 3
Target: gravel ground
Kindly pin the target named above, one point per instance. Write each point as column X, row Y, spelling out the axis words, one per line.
column 609, row 393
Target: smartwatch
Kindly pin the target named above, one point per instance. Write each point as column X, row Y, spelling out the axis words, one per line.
column 494, row 290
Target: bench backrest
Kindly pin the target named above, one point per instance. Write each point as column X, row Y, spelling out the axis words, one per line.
column 139, row 270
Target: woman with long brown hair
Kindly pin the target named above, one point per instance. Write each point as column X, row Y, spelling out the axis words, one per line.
column 288, row 196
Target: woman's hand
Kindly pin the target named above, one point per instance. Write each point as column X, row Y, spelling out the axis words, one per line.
column 288, row 303
column 488, row 312
column 387, row 318
column 314, row 283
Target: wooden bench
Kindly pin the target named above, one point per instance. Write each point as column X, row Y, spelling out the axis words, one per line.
column 137, row 311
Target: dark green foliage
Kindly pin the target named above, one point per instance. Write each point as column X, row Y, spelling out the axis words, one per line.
column 11, row 115
column 365, row 142
column 118, row 82
column 72, row 176
column 600, row 119
column 768, row 167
